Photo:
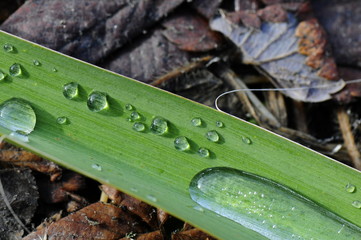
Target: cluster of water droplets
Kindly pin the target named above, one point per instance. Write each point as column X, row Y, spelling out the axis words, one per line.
column 351, row 188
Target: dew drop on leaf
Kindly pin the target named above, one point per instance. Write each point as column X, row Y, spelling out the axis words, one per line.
column 212, row 136
column 203, row 152
column 350, row 188
column 197, row 122
column 97, row 101
column 159, row 126
column 9, row 48
column 71, row 90
column 181, row 143
column 15, row 70
column 62, row 120
column 138, row 126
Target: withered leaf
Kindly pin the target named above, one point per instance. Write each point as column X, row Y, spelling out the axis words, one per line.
column 192, row 234
column 275, row 49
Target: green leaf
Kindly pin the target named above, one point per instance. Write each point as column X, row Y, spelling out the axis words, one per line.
column 104, row 146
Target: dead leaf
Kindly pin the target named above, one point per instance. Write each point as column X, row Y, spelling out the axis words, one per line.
column 192, row 234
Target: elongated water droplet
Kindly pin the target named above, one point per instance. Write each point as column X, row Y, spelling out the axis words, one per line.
column 62, row 120
column 71, row 90
column 9, row 48
column 181, row 143
column 350, row 188
column 356, row 204
column 197, row 122
column 203, row 152
column 134, row 116
column 97, row 101
column 138, row 126
column 129, row 107
column 212, row 136
column 219, row 124
column 18, row 116
column 36, row 63
column 97, row 167
column 2, row 76
column 246, row 140
column 15, row 70
column 159, row 126
column 221, row 189
column 152, row 198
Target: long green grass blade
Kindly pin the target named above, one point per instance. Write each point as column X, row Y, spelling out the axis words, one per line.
column 104, row 146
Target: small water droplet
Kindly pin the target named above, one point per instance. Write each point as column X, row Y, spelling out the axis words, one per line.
column 133, row 189
column 212, row 136
column 219, row 124
column 197, row 122
column 274, row 226
column 159, row 126
column 198, row 208
column 203, row 152
column 70, row 90
column 55, row 69
column 18, row 116
column 356, row 204
column 9, row 48
column 134, row 116
column 138, row 126
column 152, row 198
column 350, row 188
column 36, row 63
column 129, row 107
column 62, row 120
column 97, row 101
column 2, row 76
column 16, row 70
column 97, row 167
column 181, row 143
column 246, row 140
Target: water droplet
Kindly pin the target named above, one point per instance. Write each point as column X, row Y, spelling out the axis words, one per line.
column 138, row 126
column 246, row 140
column 356, row 204
column 97, row 101
column 16, row 70
column 71, row 90
column 55, row 69
column 197, row 122
column 97, row 167
column 212, row 136
column 62, row 120
column 203, row 152
column 350, row 188
column 2, row 76
column 152, row 198
column 36, row 63
column 181, row 143
column 219, row 190
column 198, row 208
column 18, row 116
column 129, row 107
column 134, row 116
column 219, row 124
column 9, row 48
column 159, row 126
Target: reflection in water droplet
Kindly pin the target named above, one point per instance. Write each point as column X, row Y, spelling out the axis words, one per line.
column 159, row 126
column 350, row 188
column 15, row 70
column 18, row 116
column 212, row 136
column 97, row 167
column 129, row 107
column 138, row 126
column 246, row 140
column 134, row 116
column 152, row 198
column 181, row 143
column 62, row 120
column 70, row 90
column 36, row 63
column 97, row 101
column 2, row 76
column 356, row 204
column 9, row 48
column 197, row 122
column 203, row 152
column 222, row 190
column 219, row 124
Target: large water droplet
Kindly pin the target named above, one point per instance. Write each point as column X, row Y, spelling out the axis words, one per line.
column 203, row 152
column 159, row 126
column 134, row 116
column 356, row 204
column 97, row 101
column 138, row 126
column 9, row 48
column 71, row 90
column 259, row 204
column 181, row 143
column 212, row 136
column 350, row 188
column 197, row 122
column 18, row 116
column 219, row 124
column 62, row 120
column 16, row 70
